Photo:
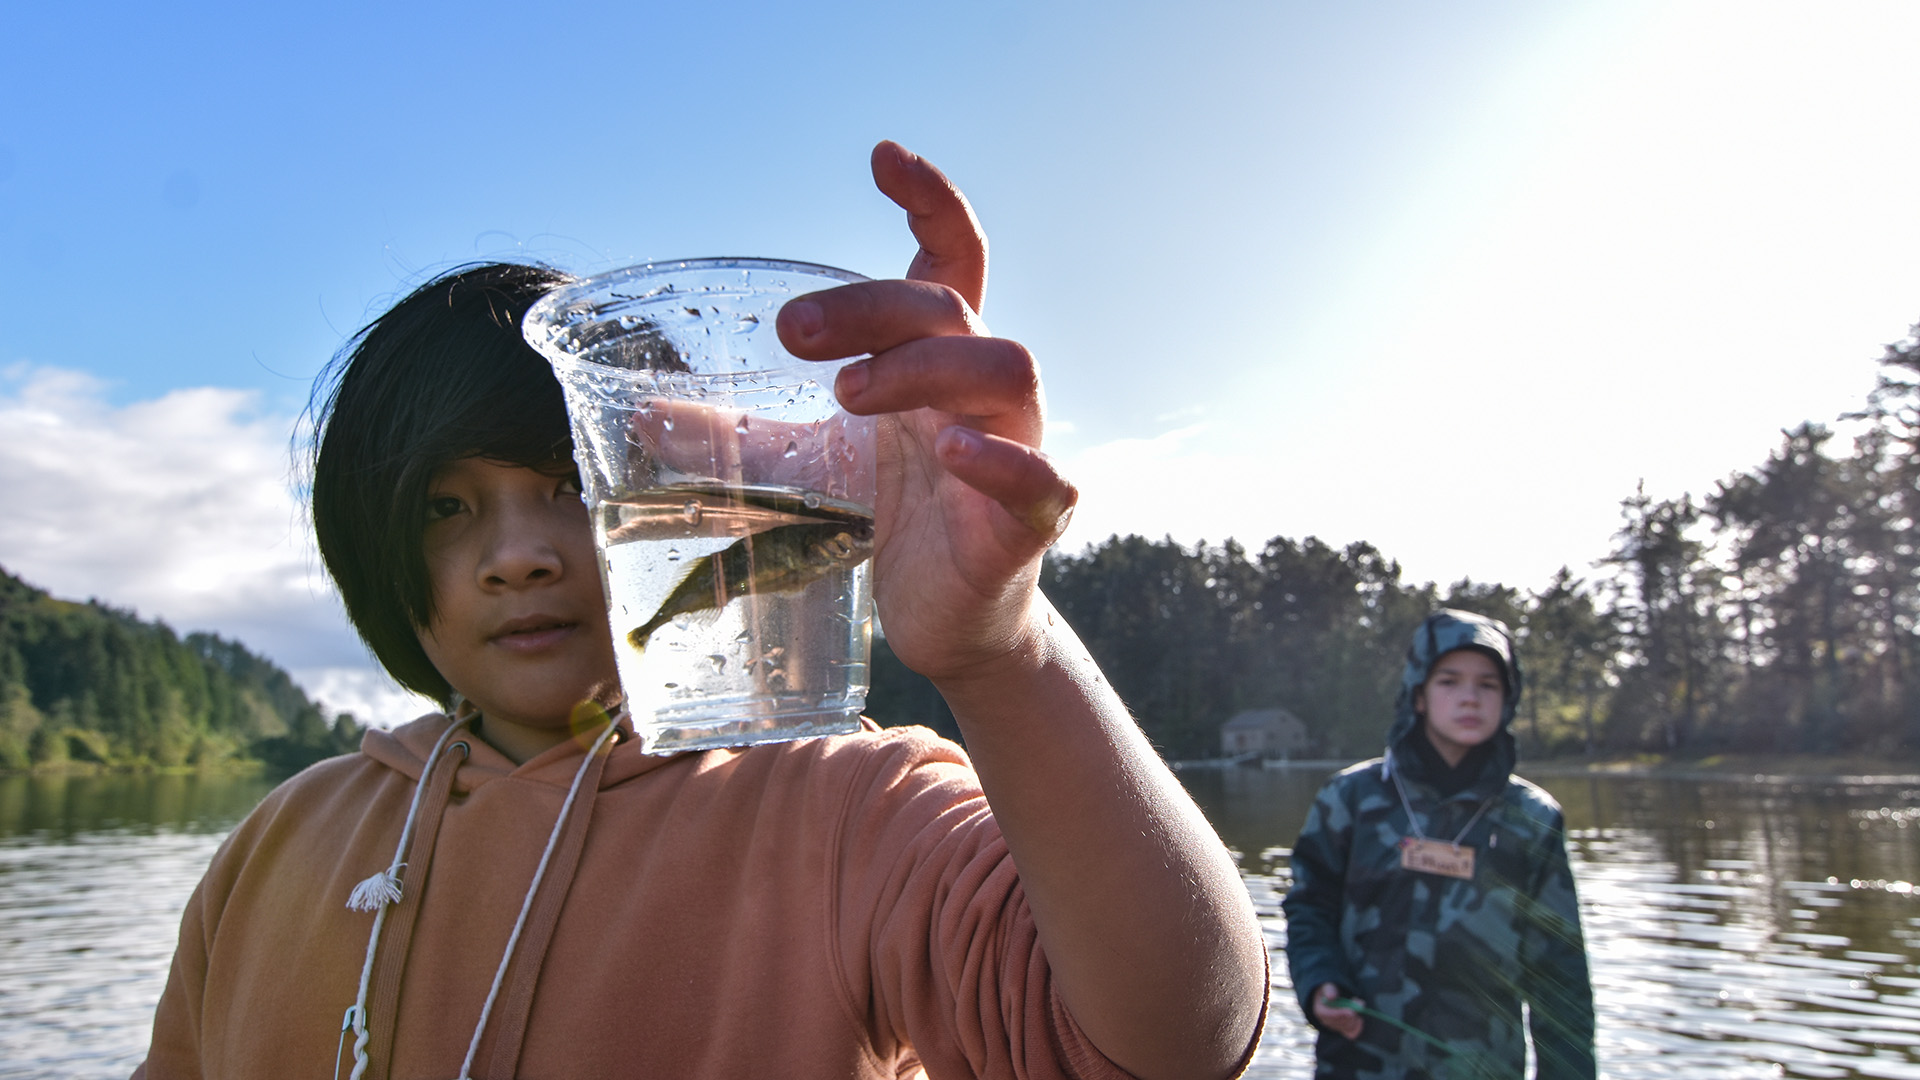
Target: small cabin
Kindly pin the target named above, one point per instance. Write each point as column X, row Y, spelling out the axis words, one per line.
column 1268, row 733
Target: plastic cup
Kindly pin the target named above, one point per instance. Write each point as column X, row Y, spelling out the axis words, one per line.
column 732, row 499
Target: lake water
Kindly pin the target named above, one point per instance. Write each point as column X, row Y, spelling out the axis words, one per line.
column 1738, row 928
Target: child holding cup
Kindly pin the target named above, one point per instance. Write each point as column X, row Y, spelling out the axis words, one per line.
column 533, row 895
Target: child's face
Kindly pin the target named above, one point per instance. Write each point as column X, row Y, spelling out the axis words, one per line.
column 1461, row 702
column 519, row 622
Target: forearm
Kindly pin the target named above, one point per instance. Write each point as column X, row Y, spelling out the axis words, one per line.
column 1560, row 1016
column 1314, row 956
column 1557, row 980
column 1148, row 931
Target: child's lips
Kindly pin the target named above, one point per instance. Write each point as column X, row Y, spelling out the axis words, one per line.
column 532, row 633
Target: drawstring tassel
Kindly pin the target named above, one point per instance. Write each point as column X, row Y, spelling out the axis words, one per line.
column 383, row 888
column 377, row 894
column 377, row 891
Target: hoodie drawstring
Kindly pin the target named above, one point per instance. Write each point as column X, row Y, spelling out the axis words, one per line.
column 540, row 915
column 520, row 1001
column 384, row 891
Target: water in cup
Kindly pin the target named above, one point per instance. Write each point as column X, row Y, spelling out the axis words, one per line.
column 711, row 584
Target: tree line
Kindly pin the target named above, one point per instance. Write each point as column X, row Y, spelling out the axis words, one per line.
column 91, row 684
column 1777, row 613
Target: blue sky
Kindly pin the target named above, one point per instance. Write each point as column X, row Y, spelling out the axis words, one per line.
column 234, row 188
column 1448, row 278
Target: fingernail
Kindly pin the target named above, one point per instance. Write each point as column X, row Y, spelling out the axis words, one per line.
column 805, row 317
column 960, row 443
column 1051, row 516
column 851, row 381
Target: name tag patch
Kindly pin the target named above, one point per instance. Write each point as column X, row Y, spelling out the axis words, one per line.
column 1436, row 857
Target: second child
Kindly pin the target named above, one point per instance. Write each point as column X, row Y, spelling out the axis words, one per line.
column 1432, row 895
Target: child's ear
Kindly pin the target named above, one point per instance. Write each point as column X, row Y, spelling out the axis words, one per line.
column 1420, row 702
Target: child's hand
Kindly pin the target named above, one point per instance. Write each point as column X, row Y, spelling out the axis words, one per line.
column 1342, row 1021
column 966, row 503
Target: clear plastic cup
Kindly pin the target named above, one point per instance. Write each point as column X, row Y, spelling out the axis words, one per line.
column 732, row 499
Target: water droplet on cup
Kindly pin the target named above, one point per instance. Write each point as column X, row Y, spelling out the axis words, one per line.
column 673, row 554
column 812, row 499
column 691, row 511
column 719, row 662
column 792, row 450
column 741, row 427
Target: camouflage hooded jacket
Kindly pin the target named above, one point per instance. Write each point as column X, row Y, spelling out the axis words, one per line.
column 1449, row 958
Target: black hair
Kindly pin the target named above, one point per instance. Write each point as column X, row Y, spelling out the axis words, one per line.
column 443, row 375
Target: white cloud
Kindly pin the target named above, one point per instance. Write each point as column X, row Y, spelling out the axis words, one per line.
column 1172, row 483
column 366, row 692
column 180, row 508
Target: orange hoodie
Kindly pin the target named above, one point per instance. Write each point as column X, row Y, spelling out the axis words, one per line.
column 839, row 907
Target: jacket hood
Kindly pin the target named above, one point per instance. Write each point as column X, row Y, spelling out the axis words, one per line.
column 1445, row 631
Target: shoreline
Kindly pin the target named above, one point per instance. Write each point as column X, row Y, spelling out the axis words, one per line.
column 1751, row 768
column 226, row 767
column 1748, row 768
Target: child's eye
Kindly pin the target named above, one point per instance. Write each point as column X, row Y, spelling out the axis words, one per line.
column 570, row 485
column 441, row 507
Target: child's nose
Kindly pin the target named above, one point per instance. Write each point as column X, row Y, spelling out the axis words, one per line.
column 519, row 555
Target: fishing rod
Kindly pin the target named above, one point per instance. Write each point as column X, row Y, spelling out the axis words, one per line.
column 1453, row 1053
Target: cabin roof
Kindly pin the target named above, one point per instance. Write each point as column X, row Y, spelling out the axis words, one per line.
column 1260, row 718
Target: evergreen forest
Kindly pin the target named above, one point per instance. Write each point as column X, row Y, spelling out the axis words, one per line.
column 94, row 686
column 1775, row 614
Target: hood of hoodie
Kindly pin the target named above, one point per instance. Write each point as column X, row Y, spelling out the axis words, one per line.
column 405, row 750
column 1445, row 631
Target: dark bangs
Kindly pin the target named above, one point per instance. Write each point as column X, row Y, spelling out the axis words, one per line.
column 443, row 375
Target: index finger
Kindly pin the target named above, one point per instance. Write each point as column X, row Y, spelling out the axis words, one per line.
column 953, row 248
